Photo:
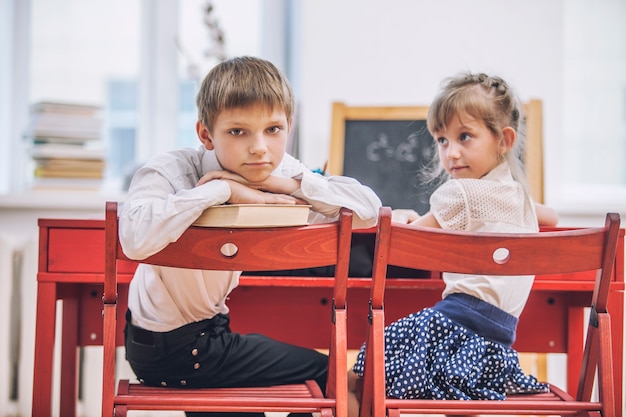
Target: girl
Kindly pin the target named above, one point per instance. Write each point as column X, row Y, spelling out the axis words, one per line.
column 475, row 121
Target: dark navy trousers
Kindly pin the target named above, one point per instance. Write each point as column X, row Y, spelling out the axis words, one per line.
column 207, row 354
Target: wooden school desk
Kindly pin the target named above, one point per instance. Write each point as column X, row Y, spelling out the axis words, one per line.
column 71, row 265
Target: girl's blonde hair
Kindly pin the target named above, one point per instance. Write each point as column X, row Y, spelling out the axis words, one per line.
column 243, row 82
column 484, row 97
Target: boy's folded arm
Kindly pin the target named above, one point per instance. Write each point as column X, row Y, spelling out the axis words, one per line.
column 149, row 221
column 327, row 195
column 244, row 194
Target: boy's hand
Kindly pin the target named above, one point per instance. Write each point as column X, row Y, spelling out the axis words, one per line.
column 221, row 175
column 242, row 194
column 271, row 184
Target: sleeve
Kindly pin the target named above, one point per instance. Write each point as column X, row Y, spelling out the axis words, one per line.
column 449, row 204
column 155, row 213
column 327, row 195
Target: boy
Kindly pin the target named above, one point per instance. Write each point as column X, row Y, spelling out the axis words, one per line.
column 177, row 330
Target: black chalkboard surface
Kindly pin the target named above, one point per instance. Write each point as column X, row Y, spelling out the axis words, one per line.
column 385, row 148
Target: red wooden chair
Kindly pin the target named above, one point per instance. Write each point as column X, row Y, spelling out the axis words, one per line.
column 258, row 249
column 540, row 253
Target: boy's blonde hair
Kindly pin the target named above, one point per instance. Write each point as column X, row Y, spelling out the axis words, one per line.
column 243, row 82
column 489, row 99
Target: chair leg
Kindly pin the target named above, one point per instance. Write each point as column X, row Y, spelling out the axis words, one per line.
column 589, row 365
column 377, row 347
column 120, row 411
column 340, row 365
column 326, row 412
column 605, row 366
column 365, row 401
column 366, row 388
column 108, row 391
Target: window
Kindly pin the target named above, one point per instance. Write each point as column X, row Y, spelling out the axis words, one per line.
column 89, row 53
column 131, row 57
column 207, row 32
column 594, row 104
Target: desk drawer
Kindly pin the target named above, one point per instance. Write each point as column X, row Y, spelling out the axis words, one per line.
column 79, row 250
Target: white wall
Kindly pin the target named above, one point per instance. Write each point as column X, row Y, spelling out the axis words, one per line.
column 395, row 52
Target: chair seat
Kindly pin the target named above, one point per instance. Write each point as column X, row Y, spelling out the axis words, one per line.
column 555, row 401
column 305, row 398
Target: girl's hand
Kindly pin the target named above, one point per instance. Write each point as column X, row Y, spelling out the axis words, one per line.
column 404, row 216
column 546, row 216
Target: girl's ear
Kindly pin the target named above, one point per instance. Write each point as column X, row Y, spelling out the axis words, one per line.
column 204, row 135
column 508, row 139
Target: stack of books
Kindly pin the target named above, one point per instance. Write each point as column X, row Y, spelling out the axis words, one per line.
column 66, row 146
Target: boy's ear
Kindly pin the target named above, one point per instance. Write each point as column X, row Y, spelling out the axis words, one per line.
column 508, row 139
column 204, row 135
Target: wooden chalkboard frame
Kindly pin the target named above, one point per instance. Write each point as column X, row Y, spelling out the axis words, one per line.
column 341, row 113
column 533, row 154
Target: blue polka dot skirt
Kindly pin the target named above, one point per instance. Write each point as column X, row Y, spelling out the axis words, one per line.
column 428, row 356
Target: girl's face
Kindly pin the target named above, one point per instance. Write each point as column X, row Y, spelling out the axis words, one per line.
column 468, row 149
column 249, row 141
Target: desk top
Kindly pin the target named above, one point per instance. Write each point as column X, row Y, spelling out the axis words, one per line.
column 64, row 238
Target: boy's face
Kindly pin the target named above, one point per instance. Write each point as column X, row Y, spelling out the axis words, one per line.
column 249, row 141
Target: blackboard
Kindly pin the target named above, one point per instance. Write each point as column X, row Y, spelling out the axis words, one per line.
column 385, row 148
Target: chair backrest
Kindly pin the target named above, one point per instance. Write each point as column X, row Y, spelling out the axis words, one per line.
column 233, row 249
column 544, row 253
column 245, row 249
